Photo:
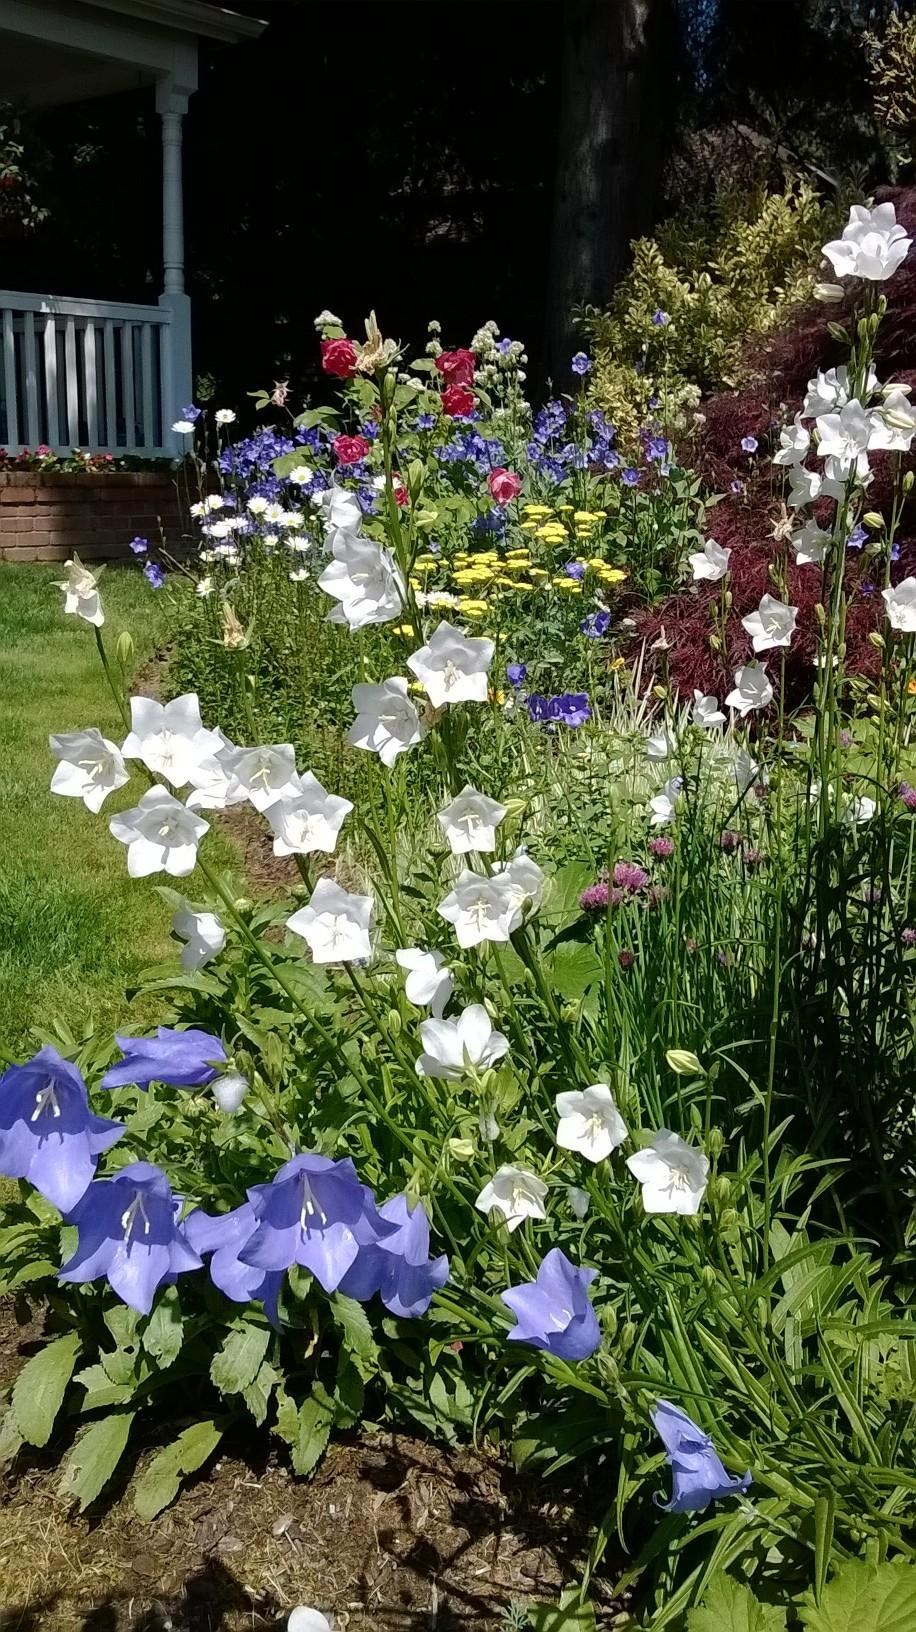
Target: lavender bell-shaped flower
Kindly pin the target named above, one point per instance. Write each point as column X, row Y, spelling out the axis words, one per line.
column 48, row 1134
column 398, row 1267
column 698, row 1474
column 554, row 1311
column 182, row 1059
column 128, row 1233
column 310, row 1215
column 224, row 1235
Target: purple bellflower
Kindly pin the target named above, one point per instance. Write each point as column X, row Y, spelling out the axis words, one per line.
column 398, row 1266
column 698, row 1475
column 139, row 545
column 580, row 364
column 154, row 574
column 315, row 1213
column 183, row 1059
column 554, row 1311
column 596, row 624
column 48, row 1134
column 516, row 673
column 224, row 1235
column 128, row 1234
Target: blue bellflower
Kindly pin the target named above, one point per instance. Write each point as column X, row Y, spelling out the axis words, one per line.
column 139, row 545
column 554, row 1311
column 315, row 1213
column 154, row 574
column 48, row 1134
column 596, row 624
column 128, row 1234
column 698, row 1475
column 224, row 1235
column 516, row 673
column 182, row 1059
column 398, row 1267
column 580, row 364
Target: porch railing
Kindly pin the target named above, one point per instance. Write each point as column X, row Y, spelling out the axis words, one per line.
column 85, row 374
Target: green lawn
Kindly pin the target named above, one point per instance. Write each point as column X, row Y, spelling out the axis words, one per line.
column 74, row 929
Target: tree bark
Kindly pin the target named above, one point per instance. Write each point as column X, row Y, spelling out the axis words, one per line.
column 617, row 91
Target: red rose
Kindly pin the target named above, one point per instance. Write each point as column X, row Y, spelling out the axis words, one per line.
column 338, row 357
column 457, row 367
column 350, row 449
column 504, row 485
column 457, row 400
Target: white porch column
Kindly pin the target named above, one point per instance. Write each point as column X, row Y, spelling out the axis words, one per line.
column 177, row 377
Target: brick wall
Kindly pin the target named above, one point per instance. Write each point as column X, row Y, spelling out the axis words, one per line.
column 46, row 515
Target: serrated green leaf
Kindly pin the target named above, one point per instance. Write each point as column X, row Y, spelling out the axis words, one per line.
column 287, row 1423
column 729, row 1606
column 11, row 1439
column 861, row 1598
column 316, row 1417
column 40, row 1388
column 236, row 1365
column 159, row 1484
column 163, row 1333
column 94, row 1458
column 257, row 1394
column 100, row 1390
column 353, row 1321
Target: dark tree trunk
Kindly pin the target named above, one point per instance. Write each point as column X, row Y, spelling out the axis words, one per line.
column 618, row 83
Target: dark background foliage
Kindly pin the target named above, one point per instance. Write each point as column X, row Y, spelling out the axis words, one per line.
column 403, row 155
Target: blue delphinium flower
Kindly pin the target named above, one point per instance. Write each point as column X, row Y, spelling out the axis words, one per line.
column 183, row 1059
column 139, row 545
column 154, row 574
column 309, row 1215
column 398, row 1267
column 516, row 673
column 660, row 319
column 596, row 624
column 554, row 1311
column 128, row 1234
column 48, row 1134
column 630, row 477
column 574, row 569
column 580, row 364
column 698, row 1475
column 749, row 444
column 224, row 1235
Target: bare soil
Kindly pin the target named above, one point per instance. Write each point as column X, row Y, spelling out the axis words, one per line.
column 391, row 1534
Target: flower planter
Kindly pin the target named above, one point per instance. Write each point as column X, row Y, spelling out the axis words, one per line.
column 46, row 515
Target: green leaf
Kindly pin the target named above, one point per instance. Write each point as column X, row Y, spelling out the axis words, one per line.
column 239, row 1360
column 11, row 1440
column 40, row 1388
column 353, row 1321
column 572, row 968
column 569, row 1614
column 257, row 1394
column 728, row 1606
column 162, row 1336
column 94, row 1458
column 316, row 1417
column 159, row 1484
column 100, row 1390
column 864, row 1599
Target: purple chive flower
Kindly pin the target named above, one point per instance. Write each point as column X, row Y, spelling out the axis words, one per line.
column 626, row 958
column 907, row 795
column 630, row 477
column 139, row 545
column 596, row 898
column 662, row 848
column 857, row 538
column 398, row 1267
column 749, row 444
column 315, row 1213
column 575, row 569
column 753, row 858
column 48, row 1134
column 516, row 673
column 630, row 877
column 660, row 319
column 182, row 1059
column 580, row 364
column 908, row 937
column 554, row 1311
column 729, row 839
column 154, row 574
column 596, row 624
column 128, row 1233
column 698, row 1475
column 224, row 1235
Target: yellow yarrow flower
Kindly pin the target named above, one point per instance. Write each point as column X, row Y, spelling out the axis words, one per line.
column 565, row 509
column 612, row 575
column 472, row 608
column 571, row 586
column 536, row 510
column 405, row 629
column 539, row 574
